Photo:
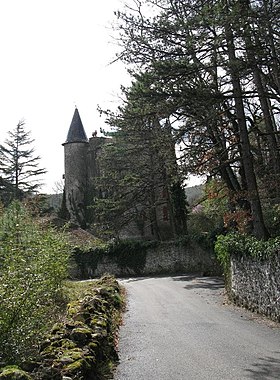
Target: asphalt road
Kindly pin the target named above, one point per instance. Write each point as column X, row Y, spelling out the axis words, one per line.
column 179, row 328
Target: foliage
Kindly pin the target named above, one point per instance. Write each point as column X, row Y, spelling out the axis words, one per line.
column 179, row 208
column 241, row 244
column 37, row 205
column 272, row 218
column 33, row 265
column 63, row 212
column 225, row 208
column 139, row 169
column 206, row 219
column 221, row 250
column 127, row 254
column 130, row 253
column 7, row 191
column 82, row 344
column 216, row 200
column 202, row 229
column 210, row 68
column 18, row 165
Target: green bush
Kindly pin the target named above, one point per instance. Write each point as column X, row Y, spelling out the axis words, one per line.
column 33, row 265
column 202, row 230
column 272, row 218
column 235, row 243
column 240, row 244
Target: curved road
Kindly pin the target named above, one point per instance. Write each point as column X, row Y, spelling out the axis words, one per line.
column 178, row 328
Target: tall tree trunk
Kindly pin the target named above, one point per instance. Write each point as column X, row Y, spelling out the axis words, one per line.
column 274, row 59
column 259, row 229
column 269, row 122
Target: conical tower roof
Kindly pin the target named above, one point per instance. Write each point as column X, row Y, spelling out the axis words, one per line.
column 76, row 131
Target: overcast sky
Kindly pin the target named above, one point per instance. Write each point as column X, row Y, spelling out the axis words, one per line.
column 55, row 54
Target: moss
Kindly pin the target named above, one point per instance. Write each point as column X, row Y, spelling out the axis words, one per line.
column 78, row 365
column 14, row 373
column 81, row 335
column 75, row 361
column 77, row 369
column 93, row 346
column 53, row 348
column 57, row 328
column 99, row 321
column 73, row 308
column 72, row 355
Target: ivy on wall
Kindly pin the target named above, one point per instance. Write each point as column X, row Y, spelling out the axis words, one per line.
column 130, row 254
column 241, row 244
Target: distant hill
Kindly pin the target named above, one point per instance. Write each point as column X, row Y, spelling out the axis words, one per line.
column 54, row 200
column 194, row 194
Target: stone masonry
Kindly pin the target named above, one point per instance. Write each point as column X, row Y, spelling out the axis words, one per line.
column 255, row 284
column 166, row 258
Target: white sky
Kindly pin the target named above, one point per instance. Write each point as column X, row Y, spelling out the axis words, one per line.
column 55, row 54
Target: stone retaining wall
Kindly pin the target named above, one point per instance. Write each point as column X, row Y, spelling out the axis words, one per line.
column 255, row 284
column 165, row 258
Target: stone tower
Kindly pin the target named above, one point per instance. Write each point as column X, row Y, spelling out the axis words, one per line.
column 82, row 158
column 76, row 172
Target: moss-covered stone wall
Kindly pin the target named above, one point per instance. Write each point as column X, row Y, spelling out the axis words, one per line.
column 152, row 259
column 82, row 345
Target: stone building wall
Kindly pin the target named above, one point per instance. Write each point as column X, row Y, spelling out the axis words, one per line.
column 165, row 258
column 255, row 284
column 75, row 156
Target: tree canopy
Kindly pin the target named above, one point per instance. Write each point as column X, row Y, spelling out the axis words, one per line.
column 212, row 70
column 139, row 169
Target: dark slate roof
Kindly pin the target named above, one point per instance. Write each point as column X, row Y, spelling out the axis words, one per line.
column 76, row 131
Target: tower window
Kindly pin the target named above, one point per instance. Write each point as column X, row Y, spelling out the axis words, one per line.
column 164, row 213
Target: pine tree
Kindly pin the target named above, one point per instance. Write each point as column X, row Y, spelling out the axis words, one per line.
column 212, row 70
column 139, row 169
column 18, row 165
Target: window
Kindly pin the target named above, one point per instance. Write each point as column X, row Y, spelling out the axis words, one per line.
column 164, row 213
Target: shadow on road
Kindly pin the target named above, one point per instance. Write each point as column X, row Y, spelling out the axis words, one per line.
column 266, row 368
column 197, row 282
column 192, row 281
